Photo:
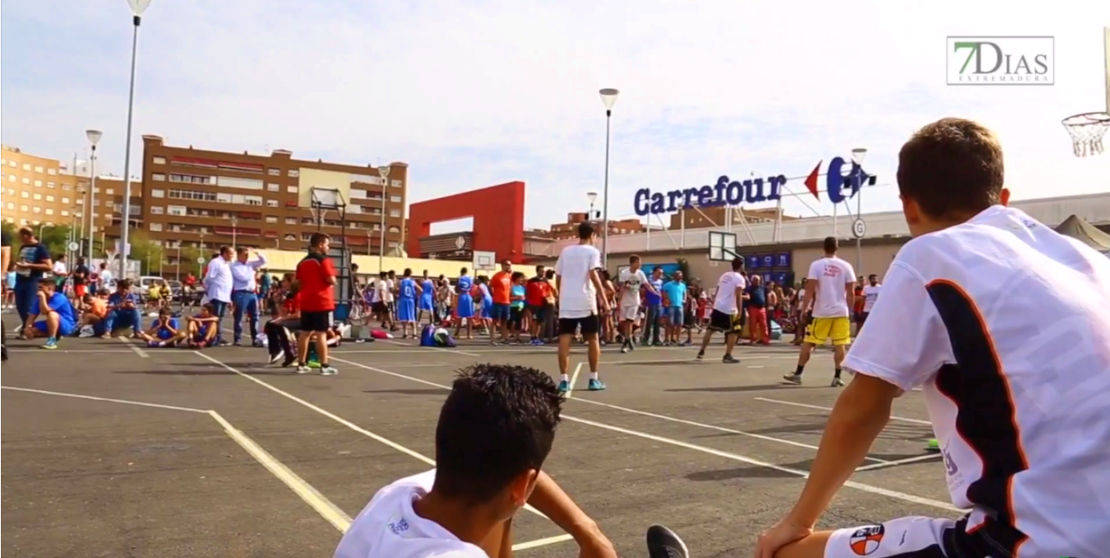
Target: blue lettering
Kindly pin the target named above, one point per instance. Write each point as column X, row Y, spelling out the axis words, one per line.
column 640, row 203
column 834, row 181
column 705, row 196
column 755, row 190
column 735, row 193
column 673, row 197
column 657, row 206
column 721, row 186
column 777, row 182
column 688, row 195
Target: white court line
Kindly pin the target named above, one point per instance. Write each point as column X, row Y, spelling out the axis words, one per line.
column 727, row 455
column 717, row 428
column 337, row 418
column 134, row 347
column 75, row 351
column 755, row 366
column 541, row 542
column 403, row 344
column 329, row 511
column 899, row 462
column 820, row 408
column 574, row 380
column 106, row 399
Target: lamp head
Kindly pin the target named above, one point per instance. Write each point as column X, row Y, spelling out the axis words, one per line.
column 138, row 6
column 858, row 154
column 609, row 97
column 384, row 171
column 94, row 136
column 592, row 196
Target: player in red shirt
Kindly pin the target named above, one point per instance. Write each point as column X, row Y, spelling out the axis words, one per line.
column 316, row 276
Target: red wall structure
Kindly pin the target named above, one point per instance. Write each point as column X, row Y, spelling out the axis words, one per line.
column 498, row 213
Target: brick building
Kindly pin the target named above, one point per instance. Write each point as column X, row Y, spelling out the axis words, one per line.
column 43, row 192
column 200, row 199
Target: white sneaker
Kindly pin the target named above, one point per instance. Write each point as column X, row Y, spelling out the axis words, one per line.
column 328, row 370
column 302, row 369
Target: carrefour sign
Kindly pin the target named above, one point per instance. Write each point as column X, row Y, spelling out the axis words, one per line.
column 734, row 192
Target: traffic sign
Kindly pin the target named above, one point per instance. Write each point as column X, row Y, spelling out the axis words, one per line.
column 200, row 260
column 73, row 247
column 859, row 228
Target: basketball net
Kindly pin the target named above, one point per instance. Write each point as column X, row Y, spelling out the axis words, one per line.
column 1086, row 132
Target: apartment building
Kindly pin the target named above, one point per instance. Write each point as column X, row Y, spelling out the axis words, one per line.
column 195, row 198
column 42, row 192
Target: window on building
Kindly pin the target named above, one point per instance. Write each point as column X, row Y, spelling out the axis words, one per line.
column 156, row 227
column 11, row 177
column 272, row 203
column 65, row 213
column 26, row 166
column 177, row 210
column 394, row 212
column 49, row 211
column 39, row 169
column 273, row 187
column 65, row 200
column 66, row 187
column 290, row 220
column 394, row 229
column 273, row 172
column 271, row 219
column 395, row 199
column 25, row 194
column 395, row 183
column 109, row 192
column 50, row 185
column 157, row 210
column 157, row 193
column 49, row 198
column 36, row 209
column 159, row 160
column 10, row 206
column 11, row 164
column 394, row 244
column 26, row 180
column 37, row 197
column 158, row 177
column 292, row 189
column 252, row 200
column 38, row 184
column 52, row 172
column 294, row 173
column 23, row 208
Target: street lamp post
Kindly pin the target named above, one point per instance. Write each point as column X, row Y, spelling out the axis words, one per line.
column 608, row 98
column 384, row 172
column 94, row 138
column 137, row 9
column 234, row 232
column 858, row 155
column 592, row 196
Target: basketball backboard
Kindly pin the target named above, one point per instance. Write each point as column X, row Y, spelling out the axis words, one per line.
column 722, row 246
column 484, row 260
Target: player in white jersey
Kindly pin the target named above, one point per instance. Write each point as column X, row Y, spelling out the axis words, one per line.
column 1017, row 385
column 728, row 304
column 632, row 280
column 870, row 296
column 830, row 287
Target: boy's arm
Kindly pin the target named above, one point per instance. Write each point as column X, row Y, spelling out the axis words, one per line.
column 553, row 501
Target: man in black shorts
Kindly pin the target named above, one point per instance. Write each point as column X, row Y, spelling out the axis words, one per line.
column 727, row 310
column 316, row 277
column 578, row 282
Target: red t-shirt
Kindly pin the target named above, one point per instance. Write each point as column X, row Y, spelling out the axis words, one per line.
column 292, row 304
column 501, row 287
column 316, row 293
column 535, row 292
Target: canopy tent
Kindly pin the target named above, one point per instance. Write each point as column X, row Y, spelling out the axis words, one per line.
column 1086, row 233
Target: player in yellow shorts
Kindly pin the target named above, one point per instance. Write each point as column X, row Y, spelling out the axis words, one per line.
column 829, row 287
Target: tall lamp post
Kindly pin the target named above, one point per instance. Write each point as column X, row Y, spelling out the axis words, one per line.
column 94, row 138
column 592, row 196
column 137, row 9
column 234, row 232
column 384, row 172
column 858, row 155
column 608, row 98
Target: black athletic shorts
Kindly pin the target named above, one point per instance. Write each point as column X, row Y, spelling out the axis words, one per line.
column 516, row 317
column 379, row 308
column 719, row 321
column 589, row 325
column 539, row 313
column 316, row 322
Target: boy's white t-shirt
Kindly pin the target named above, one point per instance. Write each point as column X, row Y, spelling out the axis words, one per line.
column 832, row 275
column 870, row 296
column 577, row 296
column 725, row 301
column 633, row 281
column 389, row 528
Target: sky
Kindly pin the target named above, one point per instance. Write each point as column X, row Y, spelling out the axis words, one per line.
column 472, row 93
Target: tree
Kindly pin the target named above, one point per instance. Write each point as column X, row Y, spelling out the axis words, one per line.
column 145, row 251
column 55, row 238
column 188, row 262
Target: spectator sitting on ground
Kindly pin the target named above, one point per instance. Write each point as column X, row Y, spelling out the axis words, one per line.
column 162, row 332
column 123, row 311
column 94, row 310
column 288, row 319
column 60, row 320
column 200, row 331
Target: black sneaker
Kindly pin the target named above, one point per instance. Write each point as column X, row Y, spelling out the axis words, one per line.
column 729, row 359
column 664, row 543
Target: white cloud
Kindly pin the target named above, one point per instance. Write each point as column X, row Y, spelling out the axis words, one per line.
column 474, row 93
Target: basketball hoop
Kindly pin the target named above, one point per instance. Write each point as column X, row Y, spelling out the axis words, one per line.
column 1086, row 132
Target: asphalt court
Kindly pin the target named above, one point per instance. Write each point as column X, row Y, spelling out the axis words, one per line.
column 123, row 450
